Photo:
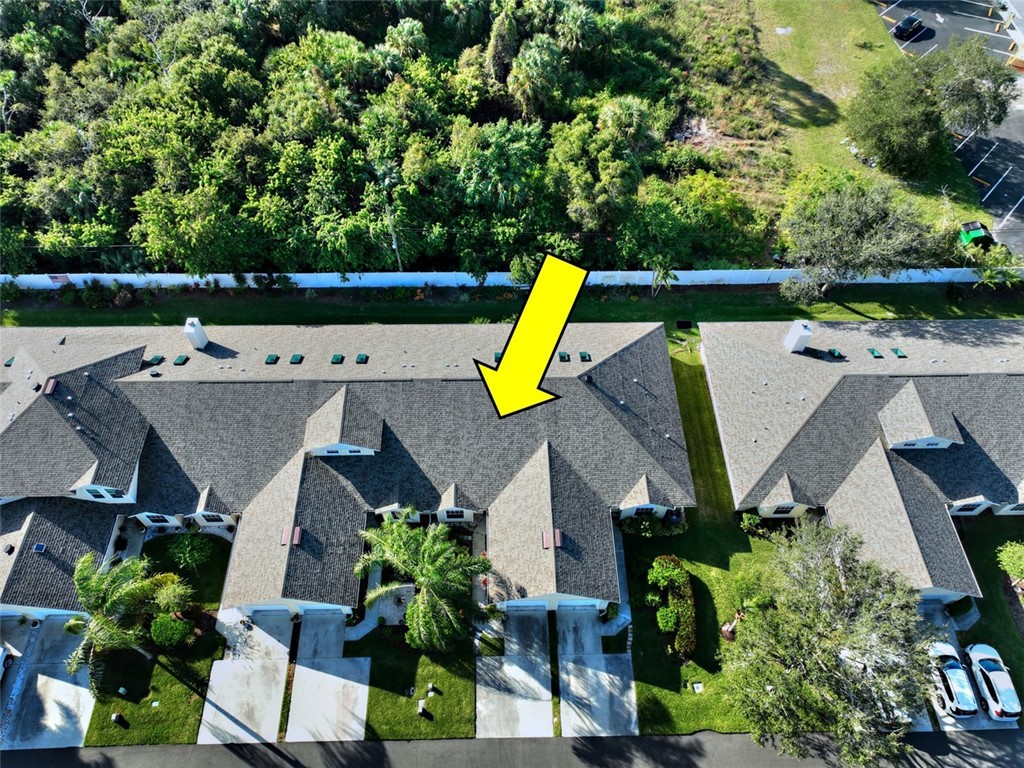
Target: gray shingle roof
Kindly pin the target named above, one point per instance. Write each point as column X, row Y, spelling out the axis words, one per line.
column 69, row 528
column 331, row 515
column 361, row 425
column 906, row 418
column 228, row 422
column 86, row 421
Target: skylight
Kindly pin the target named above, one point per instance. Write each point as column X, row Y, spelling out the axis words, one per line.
column 362, row 359
column 296, row 359
column 181, row 360
column 337, row 359
column 272, row 359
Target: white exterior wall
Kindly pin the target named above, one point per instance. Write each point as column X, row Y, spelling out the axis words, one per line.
column 342, row 449
column 798, row 510
column 551, row 602
column 945, row 595
column 982, row 506
column 1014, row 508
column 83, row 493
column 659, row 511
column 924, row 443
column 467, row 515
column 290, row 605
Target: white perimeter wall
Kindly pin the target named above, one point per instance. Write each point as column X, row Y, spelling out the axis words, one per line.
column 499, row 279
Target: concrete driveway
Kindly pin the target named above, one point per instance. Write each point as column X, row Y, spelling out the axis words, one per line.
column 43, row 706
column 598, row 695
column 513, row 692
column 329, row 693
column 243, row 701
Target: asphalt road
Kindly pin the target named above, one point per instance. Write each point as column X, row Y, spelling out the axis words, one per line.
column 995, row 163
column 992, row 749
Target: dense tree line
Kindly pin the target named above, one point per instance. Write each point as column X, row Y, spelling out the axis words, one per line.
column 251, row 135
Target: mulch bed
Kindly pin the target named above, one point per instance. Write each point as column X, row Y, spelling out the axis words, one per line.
column 1013, row 600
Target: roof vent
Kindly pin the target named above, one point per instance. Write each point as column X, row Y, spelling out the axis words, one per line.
column 39, row 548
column 558, row 537
column 195, row 334
column 36, row 387
column 8, row 549
column 545, row 539
column 297, row 536
column 798, row 336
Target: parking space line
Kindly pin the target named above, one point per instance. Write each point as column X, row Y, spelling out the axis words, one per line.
column 993, row 19
column 923, row 30
column 886, row 10
column 990, row 34
column 971, row 172
column 995, row 50
column 1003, row 222
column 889, row 19
column 981, row 181
column 929, row 50
column 993, row 189
column 975, row 2
column 958, row 146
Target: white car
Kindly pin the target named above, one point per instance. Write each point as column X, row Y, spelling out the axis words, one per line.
column 998, row 696
column 6, row 659
column 953, row 692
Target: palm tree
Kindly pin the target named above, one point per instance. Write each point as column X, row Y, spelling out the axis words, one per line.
column 442, row 571
column 534, row 74
column 118, row 601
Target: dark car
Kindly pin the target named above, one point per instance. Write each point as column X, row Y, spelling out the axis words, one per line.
column 907, row 28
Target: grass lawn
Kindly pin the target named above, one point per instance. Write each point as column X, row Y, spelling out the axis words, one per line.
column 816, row 76
column 207, row 585
column 981, row 537
column 866, row 302
column 712, row 549
column 394, row 669
column 176, row 679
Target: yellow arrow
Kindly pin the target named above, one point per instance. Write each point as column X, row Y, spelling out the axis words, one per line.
column 514, row 385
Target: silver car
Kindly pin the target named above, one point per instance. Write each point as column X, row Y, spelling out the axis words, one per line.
column 953, row 692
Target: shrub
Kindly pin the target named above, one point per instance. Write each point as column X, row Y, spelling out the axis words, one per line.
column 95, row 294
column 1011, row 558
column 286, row 285
column 241, row 283
column 67, row 297
column 680, row 598
column 750, row 523
column 651, row 527
column 311, row 294
column 190, row 550
column 212, row 286
column 652, row 599
column 170, row 632
column 124, row 297
column 611, row 612
column 668, row 619
column 9, row 291
column 480, row 321
column 667, row 572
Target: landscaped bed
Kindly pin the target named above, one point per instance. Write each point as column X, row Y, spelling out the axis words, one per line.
column 712, row 550
column 164, row 698
column 395, row 669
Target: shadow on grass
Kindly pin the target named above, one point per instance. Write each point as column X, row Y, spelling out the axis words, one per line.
column 126, row 669
column 708, row 637
column 801, row 105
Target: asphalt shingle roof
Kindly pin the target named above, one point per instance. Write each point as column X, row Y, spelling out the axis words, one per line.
column 69, row 528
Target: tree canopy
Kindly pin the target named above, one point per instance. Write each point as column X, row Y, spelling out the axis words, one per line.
column 840, row 227
column 974, row 90
column 214, row 135
column 835, row 645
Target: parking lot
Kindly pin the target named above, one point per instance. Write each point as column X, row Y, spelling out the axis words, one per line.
column 995, row 163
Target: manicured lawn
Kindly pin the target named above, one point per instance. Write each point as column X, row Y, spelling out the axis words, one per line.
column 869, row 302
column 817, row 66
column 712, row 550
column 394, row 669
column 207, row 584
column 981, row 537
column 175, row 680
column 175, row 684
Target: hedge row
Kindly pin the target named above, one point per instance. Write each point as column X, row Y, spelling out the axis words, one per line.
column 677, row 613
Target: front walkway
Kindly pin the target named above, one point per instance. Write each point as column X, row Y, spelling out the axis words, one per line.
column 513, row 692
column 243, row 701
column 598, row 694
column 329, row 693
